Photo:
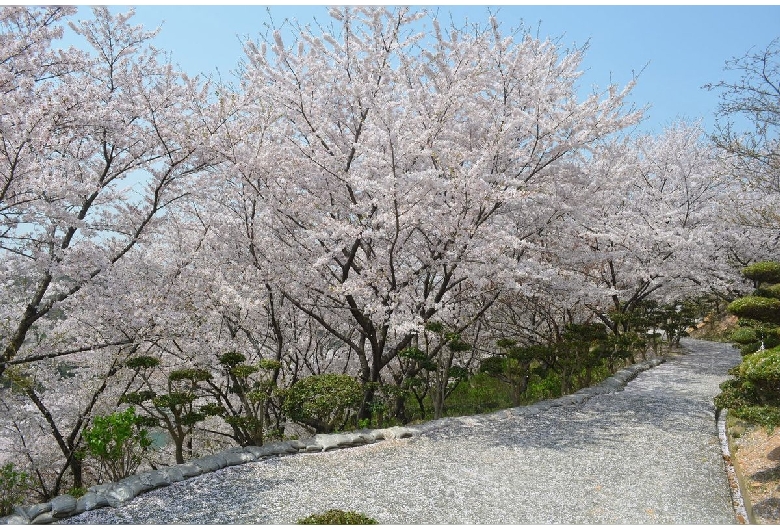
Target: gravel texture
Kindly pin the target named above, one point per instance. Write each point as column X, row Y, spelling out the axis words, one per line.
column 647, row 454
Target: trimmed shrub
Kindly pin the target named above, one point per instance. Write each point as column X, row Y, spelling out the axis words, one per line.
column 757, row 308
column 744, row 336
column 324, row 402
column 762, row 370
column 763, row 272
column 338, row 517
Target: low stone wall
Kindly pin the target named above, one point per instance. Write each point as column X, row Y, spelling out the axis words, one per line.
column 116, row 493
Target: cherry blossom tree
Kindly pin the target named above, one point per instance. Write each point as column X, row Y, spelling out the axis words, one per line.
column 649, row 230
column 394, row 167
column 94, row 147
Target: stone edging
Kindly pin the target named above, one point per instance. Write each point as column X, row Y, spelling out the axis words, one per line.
column 737, row 501
column 114, row 494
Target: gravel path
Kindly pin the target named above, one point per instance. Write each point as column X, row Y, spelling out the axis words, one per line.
column 648, row 454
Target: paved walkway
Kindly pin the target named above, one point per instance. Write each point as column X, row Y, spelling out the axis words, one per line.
column 647, row 454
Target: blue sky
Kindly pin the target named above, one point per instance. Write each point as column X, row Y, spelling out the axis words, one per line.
column 678, row 49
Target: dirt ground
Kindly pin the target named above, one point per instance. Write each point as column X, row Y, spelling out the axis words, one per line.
column 756, row 454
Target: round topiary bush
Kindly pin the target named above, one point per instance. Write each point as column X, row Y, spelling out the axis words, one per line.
column 757, row 308
column 744, row 336
column 325, row 402
column 762, row 366
column 338, row 517
column 763, row 272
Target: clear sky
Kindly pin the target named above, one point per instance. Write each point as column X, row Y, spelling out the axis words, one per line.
column 677, row 49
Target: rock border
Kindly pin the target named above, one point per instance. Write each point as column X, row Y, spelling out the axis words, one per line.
column 737, row 500
column 114, row 494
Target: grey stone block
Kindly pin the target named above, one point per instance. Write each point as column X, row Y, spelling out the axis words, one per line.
column 397, row 433
column 37, row 509
column 187, row 470
column 281, row 448
column 235, row 458
column 328, row 442
column 314, row 447
column 21, row 512
column 91, row 501
column 531, row 410
column 120, row 493
column 44, row 518
column 296, row 444
column 355, row 439
column 210, row 463
column 155, row 479
column 63, row 505
column 367, row 436
column 14, row 519
column 101, row 488
column 256, row 451
column 378, row 434
column 174, row 473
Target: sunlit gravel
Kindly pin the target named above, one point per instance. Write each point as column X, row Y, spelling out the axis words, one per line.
column 648, row 454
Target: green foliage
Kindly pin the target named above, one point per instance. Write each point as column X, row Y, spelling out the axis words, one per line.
column 416, row 354
column 338, row 517
column 762, row 370
column 766, row 416
column 77, row 492
column 479, row 394
column 325, row 402
column 13, row 488
column 194, row 375
column 744, row 336
column 173, row 400
column 251, row 386
column 541, row 388
column 117, row 442
column 757, row 308
column 212, row 409
column 675, row 319
column 763, row 272
column 754, row 393
column 136, row 398
column 232, row 358
column 268, row 364
column 142, row 362
column 435, row 327
column 243, row 371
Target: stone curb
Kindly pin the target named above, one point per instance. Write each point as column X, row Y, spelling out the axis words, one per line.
column 737, row 501
column 115, row 494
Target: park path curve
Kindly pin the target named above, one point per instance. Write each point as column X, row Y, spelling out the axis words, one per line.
column 647, row 454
